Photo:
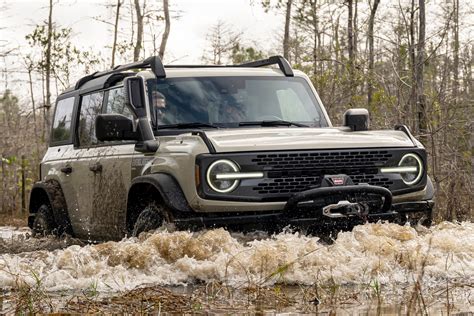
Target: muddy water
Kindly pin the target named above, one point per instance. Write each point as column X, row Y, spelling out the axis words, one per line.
column 380, row 259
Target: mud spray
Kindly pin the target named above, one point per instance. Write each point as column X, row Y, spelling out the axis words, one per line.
column 387, row 255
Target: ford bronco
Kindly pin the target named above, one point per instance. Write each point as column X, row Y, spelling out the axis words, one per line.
column 144, row 144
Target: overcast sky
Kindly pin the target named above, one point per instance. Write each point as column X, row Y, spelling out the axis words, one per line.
column 186, row 43
column 187, row 38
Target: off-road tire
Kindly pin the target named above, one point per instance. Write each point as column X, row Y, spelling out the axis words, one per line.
column 150, row 218
column 44, row 223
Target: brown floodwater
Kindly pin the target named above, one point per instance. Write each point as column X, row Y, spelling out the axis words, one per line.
column 374, row 269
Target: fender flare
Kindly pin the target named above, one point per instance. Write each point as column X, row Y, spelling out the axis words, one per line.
column 52, row 190
column 169, row 189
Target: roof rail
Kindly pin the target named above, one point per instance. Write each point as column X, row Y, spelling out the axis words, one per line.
column 153, row 62
column 282, row 63
column 280, row 60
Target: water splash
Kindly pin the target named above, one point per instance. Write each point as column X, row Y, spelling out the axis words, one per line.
column 388, row 253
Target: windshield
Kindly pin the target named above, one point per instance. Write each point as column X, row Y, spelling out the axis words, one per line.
column 230, row 101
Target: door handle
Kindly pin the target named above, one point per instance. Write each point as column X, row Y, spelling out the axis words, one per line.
column 96, row 167
column 67, row 169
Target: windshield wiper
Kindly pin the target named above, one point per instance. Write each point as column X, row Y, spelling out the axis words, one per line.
column 188, row 125
column 272, row 123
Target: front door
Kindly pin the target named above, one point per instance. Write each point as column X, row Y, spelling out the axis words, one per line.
column 101, row 170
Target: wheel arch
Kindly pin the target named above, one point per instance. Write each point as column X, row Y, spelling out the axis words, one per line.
column 50, row 192
column 159, row 187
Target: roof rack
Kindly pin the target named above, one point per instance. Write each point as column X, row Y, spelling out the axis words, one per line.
column 280, row 60
column 153, row 62
column 273, row 60
column 158, row 69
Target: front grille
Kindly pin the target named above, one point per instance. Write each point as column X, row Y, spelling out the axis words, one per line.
column 333, row 159
column 289, row 173
column 287, row 185
column 372, row 180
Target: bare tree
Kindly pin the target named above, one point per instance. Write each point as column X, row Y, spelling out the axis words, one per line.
column 222, row 39
column 350, row 43
column 370, row 39
column 420, row 62
column 286, row 37
column 47, row 104
column 139, row 40
column 117, row 18
column 166, row 32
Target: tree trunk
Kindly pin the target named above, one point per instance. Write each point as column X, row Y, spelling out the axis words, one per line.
column 370, row 38
column 316, row 38
column 413, row 92
column 354, row 27
column 286, row 38
column 114, row 45
column 35, row 126
column 138, row 43
column 47, row 105
column 166, row 33
column 456, row 53
column 350, row 45
column 420, row 62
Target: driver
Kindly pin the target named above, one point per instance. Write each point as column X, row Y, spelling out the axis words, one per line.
column 158, row 104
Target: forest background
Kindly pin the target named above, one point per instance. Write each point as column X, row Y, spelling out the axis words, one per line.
column 406, row 61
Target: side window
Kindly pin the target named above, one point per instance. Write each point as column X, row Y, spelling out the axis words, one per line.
column 91, row 106
column 62, row 121
column 116, row 102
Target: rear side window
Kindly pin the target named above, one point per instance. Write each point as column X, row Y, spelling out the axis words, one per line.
column 91, row 106
column 61, row 132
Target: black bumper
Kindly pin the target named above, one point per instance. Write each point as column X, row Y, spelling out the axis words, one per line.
column 362, row 203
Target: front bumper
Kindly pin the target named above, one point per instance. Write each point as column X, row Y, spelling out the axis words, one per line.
column 335, row 205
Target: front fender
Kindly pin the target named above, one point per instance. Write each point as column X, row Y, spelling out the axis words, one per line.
column 169, row 189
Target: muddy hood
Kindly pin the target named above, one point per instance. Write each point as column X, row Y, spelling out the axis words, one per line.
column 283, row 138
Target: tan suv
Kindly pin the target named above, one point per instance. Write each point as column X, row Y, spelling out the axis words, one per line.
column 241, row 145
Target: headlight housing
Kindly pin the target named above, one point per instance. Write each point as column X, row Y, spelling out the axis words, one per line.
column 414, row 168
column 218, row 167
column 410, row 169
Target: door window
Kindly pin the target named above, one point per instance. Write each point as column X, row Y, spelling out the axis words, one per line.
column 91, row 106
column 116, row 102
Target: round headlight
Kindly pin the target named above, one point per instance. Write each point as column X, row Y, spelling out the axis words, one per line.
column 414, row 165
column 222, row 167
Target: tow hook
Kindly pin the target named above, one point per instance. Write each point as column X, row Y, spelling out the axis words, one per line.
column 345, row 209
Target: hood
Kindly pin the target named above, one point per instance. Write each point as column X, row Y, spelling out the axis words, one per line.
column 290, row 138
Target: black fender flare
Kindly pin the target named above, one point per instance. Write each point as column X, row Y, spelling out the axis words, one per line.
column 52, row 191
column 169, row 189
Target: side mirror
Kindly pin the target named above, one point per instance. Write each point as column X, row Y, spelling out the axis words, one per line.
column 357, row 119
column 110, row 127
column 135, row 98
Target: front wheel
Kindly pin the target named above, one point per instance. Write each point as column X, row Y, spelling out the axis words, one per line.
column 150, row 218
column 44, row 222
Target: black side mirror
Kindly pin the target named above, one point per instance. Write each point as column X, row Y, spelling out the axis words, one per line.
column 357, row 119
column 110, row 127
column 135, row 98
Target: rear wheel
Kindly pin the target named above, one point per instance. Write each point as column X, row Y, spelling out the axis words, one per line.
column 44, row 222
column 150, row 218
